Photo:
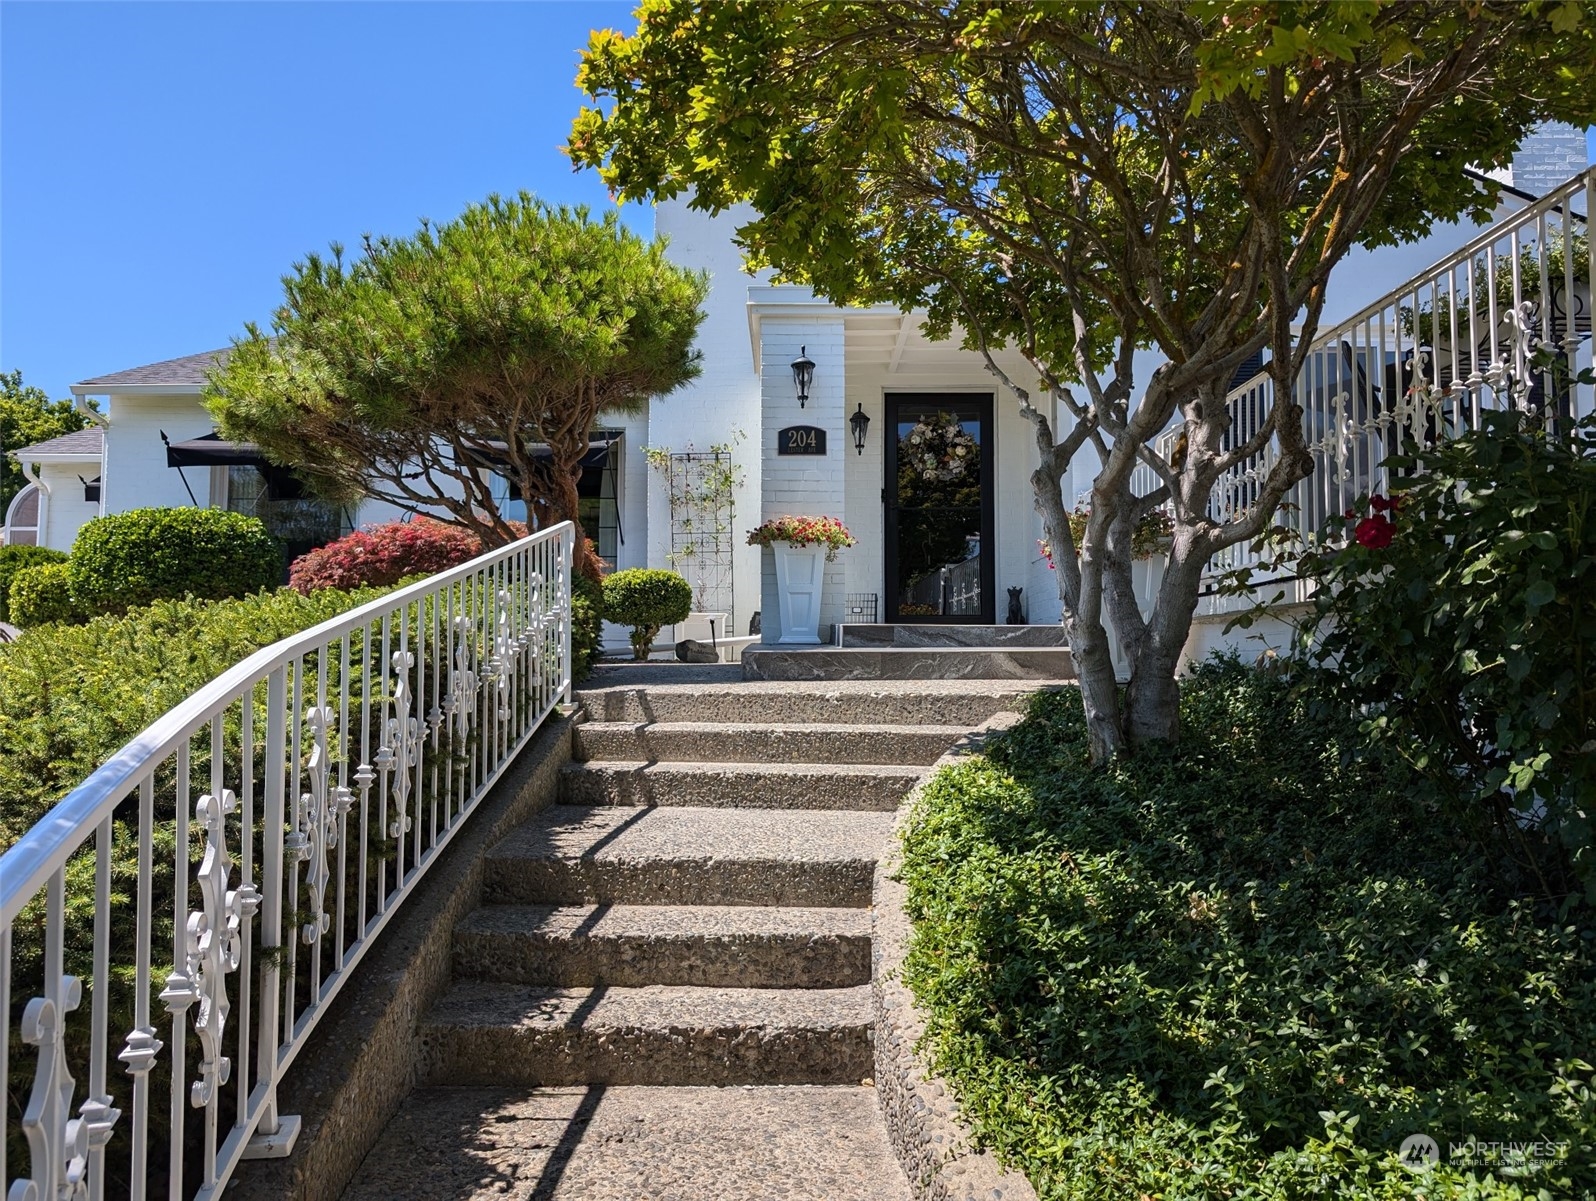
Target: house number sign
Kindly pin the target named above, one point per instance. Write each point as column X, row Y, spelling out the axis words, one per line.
column 801, row 440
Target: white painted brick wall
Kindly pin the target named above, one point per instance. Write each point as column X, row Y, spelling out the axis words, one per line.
column 804, row 485
column 136, row 474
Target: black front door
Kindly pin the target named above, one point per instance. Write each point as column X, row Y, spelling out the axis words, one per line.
column 939, row 508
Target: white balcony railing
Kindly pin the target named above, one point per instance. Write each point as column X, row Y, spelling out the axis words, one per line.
column 1502, row 323
column 175, row 953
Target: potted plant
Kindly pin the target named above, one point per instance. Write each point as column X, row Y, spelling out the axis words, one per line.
column 799, row 544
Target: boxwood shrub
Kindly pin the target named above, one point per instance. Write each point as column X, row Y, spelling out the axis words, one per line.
column 144, row 555
column 42, row 594
column 646, row 598
column 13, row 559
column 1250, row 966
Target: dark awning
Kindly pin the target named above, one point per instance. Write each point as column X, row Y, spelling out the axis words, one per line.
column 598, row 449
column 212, row 450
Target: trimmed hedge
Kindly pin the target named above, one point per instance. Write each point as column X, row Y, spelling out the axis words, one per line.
column 42, row 594
column 72, row 695
column 1248, row 966
column 13, row 559
column 145, row 555
column 646, row 598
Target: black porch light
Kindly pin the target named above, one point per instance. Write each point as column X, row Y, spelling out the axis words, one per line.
column 803, row 374
column 861, row 426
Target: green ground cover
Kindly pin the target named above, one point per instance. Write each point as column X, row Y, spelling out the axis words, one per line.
column 1250, row 966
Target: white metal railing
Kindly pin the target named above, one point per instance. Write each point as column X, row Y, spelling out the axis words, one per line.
column 330, row 769
column 1503, row 322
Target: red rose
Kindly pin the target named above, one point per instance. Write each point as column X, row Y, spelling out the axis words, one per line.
column 1374, row 532
column 1380, row 504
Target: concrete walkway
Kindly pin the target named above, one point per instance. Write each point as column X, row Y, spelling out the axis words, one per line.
column 668, row 995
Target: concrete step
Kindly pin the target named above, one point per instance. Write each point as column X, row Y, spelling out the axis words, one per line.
column 669, row 855
column 981, row 637
column 489, row 1033
column 868, row 702
column 907, row 663
column 631, row 946
column 603, row 1143
column 739, row 785
column 726, row 742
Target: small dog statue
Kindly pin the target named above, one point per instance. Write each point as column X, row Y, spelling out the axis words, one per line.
column 1016, row 614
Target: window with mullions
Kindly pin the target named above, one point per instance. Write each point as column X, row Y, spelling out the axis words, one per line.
column 301, row 523
column 598, row 509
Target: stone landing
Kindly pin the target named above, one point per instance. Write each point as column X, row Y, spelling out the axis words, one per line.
column 608, row 1143
column 1037, row 663
column 920, row 652
column 976, row 637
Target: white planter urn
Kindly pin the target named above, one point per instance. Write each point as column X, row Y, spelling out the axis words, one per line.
column 800, row 571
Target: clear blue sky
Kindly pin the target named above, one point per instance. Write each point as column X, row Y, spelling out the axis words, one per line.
column 162, row 164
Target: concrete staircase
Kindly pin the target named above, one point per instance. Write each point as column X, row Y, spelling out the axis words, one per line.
column 691, row 916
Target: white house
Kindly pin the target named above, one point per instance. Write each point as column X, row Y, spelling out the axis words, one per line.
column 952, row 543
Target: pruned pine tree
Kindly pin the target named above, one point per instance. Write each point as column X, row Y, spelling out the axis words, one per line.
column 489, row 344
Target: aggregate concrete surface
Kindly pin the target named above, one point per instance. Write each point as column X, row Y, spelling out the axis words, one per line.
column 744, row 742
column 684, row 856
column 635, row 945
column 719, row 785
column 597, row 1143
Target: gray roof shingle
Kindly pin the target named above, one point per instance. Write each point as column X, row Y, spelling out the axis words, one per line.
column 188, row 371
column 80, row 442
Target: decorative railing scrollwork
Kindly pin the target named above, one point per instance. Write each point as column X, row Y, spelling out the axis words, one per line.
column 58, row 1143
column 1503, row 323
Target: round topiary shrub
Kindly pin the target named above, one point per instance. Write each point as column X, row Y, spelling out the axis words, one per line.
column 41, row 594
column 646, row 598
column 13, row 559
column 145, row 555
column 382, row 555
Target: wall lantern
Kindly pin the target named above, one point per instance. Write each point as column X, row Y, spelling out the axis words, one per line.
column 861, row 425
column 803, row 374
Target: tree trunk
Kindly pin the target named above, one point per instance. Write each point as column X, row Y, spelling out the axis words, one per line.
column 552, row 497
column 1152, row 699
column 1094, row 673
